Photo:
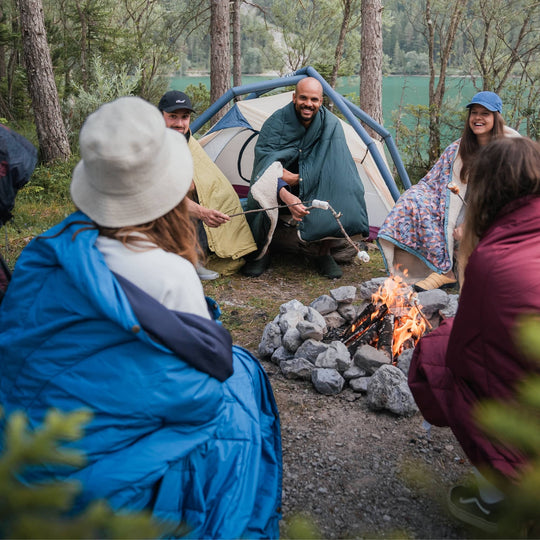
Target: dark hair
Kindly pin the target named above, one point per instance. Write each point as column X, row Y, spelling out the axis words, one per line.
column 468, row 145
column 504, row 171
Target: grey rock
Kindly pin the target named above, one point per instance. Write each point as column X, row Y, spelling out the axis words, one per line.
column 292, row 339
column 360, row 384
column 432, row 301
column 281, row 354
column 368, row 288
column 334, row 320
column 324, row 304
column 310, row 349
column 344, row 295
column 308, row 330
column 297, row 368
column 404, row 360
column 291, row 318
column 314, row 317
column 327, row 381
column 451, row 309
column 370, row 359
column 354, row 372
column 347, row 311
column 313, row 326
column 339, row 352
column 388, row 389
column 325, row 360
column 292, row 305
column 270, row 341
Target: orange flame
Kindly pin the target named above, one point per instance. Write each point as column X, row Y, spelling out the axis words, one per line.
column 409, row 323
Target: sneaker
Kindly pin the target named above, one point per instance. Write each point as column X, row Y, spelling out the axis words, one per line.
column 465, row 504
column 256, row 267
column 328, row 267
column 205, row 274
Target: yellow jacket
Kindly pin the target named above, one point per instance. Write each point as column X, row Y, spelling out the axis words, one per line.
column 232, row 239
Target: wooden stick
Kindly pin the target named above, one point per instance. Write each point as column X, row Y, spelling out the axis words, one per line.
column 265, row 209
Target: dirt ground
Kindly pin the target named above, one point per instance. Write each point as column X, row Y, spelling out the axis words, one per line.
column 353, row 472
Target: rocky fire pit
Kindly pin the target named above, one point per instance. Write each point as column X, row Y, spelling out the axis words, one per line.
column 301, row 340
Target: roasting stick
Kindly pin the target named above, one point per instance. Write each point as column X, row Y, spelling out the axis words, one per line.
column 271, row 208
column 315, row 203
column 454, row 189
column 414, row 301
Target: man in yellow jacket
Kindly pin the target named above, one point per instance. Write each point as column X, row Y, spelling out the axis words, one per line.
column 212, row 198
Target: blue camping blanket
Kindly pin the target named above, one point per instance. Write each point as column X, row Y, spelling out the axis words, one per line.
column 168, row 434
column 327, row 171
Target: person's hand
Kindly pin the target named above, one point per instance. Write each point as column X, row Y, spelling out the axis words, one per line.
column 212, row 218
column 290, row 178
column 299, row 210
column 458, row 233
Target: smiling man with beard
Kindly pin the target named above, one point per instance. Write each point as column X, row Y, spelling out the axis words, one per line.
column 302, row 155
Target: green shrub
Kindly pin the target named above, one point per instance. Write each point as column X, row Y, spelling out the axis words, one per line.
column 42, row 510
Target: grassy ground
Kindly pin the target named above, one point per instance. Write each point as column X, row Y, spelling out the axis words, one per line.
column 39, row 205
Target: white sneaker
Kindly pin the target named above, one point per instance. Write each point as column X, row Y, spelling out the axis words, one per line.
column 205, row 274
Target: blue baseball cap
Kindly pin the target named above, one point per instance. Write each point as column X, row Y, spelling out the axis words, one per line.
column 490, row 100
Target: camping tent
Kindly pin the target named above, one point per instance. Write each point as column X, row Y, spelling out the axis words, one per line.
column 231, row 142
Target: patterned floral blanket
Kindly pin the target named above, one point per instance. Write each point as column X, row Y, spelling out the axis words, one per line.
column 424, row 217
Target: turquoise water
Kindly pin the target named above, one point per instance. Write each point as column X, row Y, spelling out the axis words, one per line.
column 412, row 90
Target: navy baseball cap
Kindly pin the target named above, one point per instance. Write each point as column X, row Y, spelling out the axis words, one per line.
column 490, row 100
column 173, row 101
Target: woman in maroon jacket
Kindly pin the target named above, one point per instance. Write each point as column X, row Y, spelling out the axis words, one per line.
column 476, row 358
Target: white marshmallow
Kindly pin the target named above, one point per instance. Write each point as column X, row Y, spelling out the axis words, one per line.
column 323, row 205
column 363, row 256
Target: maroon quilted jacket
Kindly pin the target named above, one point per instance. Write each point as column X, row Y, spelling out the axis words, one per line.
column 476, row 357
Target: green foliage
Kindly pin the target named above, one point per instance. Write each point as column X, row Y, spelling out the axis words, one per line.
column 50, row 182
column 41, row 510
column 200, row 99
column 39, row 205
column 411, row 125
column 109, row 82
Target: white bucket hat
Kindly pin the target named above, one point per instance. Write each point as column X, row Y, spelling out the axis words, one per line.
column 133, row 168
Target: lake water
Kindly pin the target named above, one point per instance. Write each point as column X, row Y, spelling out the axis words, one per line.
column 412, row 90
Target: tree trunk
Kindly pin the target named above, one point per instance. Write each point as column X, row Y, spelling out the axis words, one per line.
column 341, row 41
column 371, row 61
column 237, row 44
column 53, row 141
column 84, row 45
column 436, row 93
column 220, row 57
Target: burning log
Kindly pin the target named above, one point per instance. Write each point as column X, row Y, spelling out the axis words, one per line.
column 360, row 321
column 364, row 323
column 386, row 335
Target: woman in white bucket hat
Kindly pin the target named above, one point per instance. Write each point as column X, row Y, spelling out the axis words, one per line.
column 105, row 312
column 132, row 181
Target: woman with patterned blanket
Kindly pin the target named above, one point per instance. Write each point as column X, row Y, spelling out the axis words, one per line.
column 420, row 233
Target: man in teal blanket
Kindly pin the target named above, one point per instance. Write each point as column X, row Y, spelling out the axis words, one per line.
column 302, row 155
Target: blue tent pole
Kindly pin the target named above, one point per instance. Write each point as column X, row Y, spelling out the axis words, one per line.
column 255, row 88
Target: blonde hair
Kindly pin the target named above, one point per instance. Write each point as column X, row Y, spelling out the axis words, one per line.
column 174, row 232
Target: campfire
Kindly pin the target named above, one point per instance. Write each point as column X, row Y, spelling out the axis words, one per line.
column 392, row 322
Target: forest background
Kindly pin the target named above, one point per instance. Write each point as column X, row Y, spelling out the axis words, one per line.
column 101, row 49
column 61, row 59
